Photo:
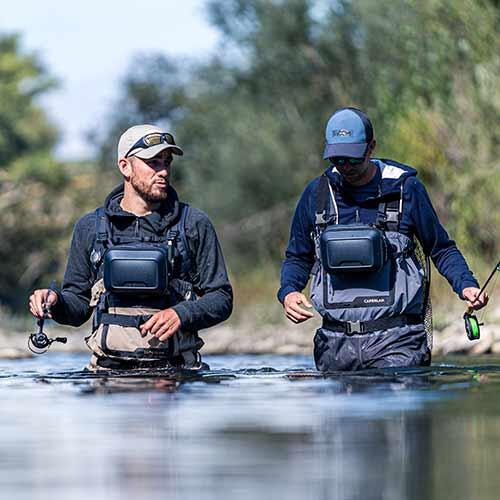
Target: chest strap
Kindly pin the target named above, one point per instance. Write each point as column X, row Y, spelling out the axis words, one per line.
column 361, row 327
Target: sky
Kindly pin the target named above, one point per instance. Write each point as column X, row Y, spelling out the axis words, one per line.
column 88, row 46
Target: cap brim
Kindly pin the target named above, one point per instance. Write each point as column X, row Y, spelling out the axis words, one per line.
column 356, row 150
column 148, row 153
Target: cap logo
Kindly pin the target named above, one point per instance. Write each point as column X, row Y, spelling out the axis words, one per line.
column 343, row 132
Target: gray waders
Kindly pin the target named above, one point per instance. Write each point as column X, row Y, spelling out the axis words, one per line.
column 371, row 319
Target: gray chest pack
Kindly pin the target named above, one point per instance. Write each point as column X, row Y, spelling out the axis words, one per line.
column 135, row 278
column 367, row 278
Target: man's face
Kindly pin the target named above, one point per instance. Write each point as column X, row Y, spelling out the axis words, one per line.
column 150, row 178
column 351, row 171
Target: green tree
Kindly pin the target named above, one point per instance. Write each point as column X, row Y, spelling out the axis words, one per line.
column 252, row 118
column 24, row 128
column 38, row 202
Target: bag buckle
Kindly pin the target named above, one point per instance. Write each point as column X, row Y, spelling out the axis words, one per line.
column 353, row 327
column 321, row 218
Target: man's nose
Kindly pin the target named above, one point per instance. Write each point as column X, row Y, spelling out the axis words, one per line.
column 163, row 170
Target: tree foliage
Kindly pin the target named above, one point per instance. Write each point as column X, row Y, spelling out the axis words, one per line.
column 38, row 199
column 252, row 118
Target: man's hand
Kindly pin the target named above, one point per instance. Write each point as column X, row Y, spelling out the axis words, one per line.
column 474, row 300
column 293, row 310
column 41, row 301
column 163, row 324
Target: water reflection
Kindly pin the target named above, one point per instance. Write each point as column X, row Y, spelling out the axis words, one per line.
column 242, row 432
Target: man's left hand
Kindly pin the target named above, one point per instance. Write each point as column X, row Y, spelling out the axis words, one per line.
column 163, row 324
column 474, row 300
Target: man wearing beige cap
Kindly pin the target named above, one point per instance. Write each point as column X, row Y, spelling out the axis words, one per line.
column 148, row 266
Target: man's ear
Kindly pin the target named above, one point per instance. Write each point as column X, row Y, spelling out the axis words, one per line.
column 125, row 167
column 372, row 146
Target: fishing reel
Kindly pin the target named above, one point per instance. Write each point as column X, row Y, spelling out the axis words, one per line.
column 472, row 326
column 39, row 342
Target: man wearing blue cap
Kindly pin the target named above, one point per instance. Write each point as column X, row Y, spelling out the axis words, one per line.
column 358, row 230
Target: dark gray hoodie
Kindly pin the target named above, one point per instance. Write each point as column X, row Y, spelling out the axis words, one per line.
column 211, row 283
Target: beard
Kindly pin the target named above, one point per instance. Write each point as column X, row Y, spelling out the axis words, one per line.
column 353, row 174
column 149, row 192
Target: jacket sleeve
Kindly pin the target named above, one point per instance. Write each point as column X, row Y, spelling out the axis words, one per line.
column 435, row 241
column 72, row 307
column 299, row 255
column 215, row 302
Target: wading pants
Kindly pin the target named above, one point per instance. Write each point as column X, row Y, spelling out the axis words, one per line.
column 396, row 347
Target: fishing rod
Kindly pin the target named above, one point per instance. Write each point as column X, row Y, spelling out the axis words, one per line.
column 472, row 325
column 39, row 342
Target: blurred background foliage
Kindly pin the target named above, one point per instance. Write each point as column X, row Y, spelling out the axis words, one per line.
column 251, row 120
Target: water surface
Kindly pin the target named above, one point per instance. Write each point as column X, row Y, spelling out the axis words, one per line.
column 252, row 427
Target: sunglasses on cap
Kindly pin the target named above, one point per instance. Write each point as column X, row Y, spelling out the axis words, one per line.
column 340, row 161
column 152, row 139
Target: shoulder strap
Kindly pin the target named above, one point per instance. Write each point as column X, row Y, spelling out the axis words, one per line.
column 184, row 209
column 101, row 225
column 389, row 213
column 325, row 192
column 102, row 238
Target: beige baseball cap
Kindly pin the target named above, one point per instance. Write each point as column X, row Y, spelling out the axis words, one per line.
column 151, row 146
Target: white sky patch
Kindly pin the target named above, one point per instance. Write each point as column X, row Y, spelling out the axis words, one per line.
column 89, row 45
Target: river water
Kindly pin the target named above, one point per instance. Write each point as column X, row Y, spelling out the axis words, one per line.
column 253, row 427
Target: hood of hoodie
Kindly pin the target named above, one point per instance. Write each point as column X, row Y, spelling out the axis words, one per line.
column 392, row 175
column 159, row 220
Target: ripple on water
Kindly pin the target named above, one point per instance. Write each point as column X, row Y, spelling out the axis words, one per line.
column 251, row 427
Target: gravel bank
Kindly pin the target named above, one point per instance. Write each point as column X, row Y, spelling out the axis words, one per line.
column 280, row 338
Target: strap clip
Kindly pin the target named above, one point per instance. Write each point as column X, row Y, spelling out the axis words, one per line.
column 353, row 327
column 392, row 216
column 321, row 218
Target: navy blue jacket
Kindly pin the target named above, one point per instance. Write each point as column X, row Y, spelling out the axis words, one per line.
column 418, row 219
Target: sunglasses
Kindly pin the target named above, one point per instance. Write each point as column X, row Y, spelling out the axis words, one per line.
column 152, row 139
column 156, row 162
column 340, row 161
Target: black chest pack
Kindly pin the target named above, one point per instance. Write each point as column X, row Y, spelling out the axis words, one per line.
column 142, row 266
column 353, row 247
column 137, row 270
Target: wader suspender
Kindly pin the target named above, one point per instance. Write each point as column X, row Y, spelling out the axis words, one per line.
column 102, row 240
column 388, row 218
column 325, row 192
column 389, row 213
column 184, row 208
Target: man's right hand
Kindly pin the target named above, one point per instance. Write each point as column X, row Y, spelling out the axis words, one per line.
column 293, row 310
column 41, row 301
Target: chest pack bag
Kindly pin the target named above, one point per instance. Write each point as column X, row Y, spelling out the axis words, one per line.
column 353, row 248
column 136, row 270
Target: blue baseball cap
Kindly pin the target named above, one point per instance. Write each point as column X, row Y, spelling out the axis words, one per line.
column 348, row 133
